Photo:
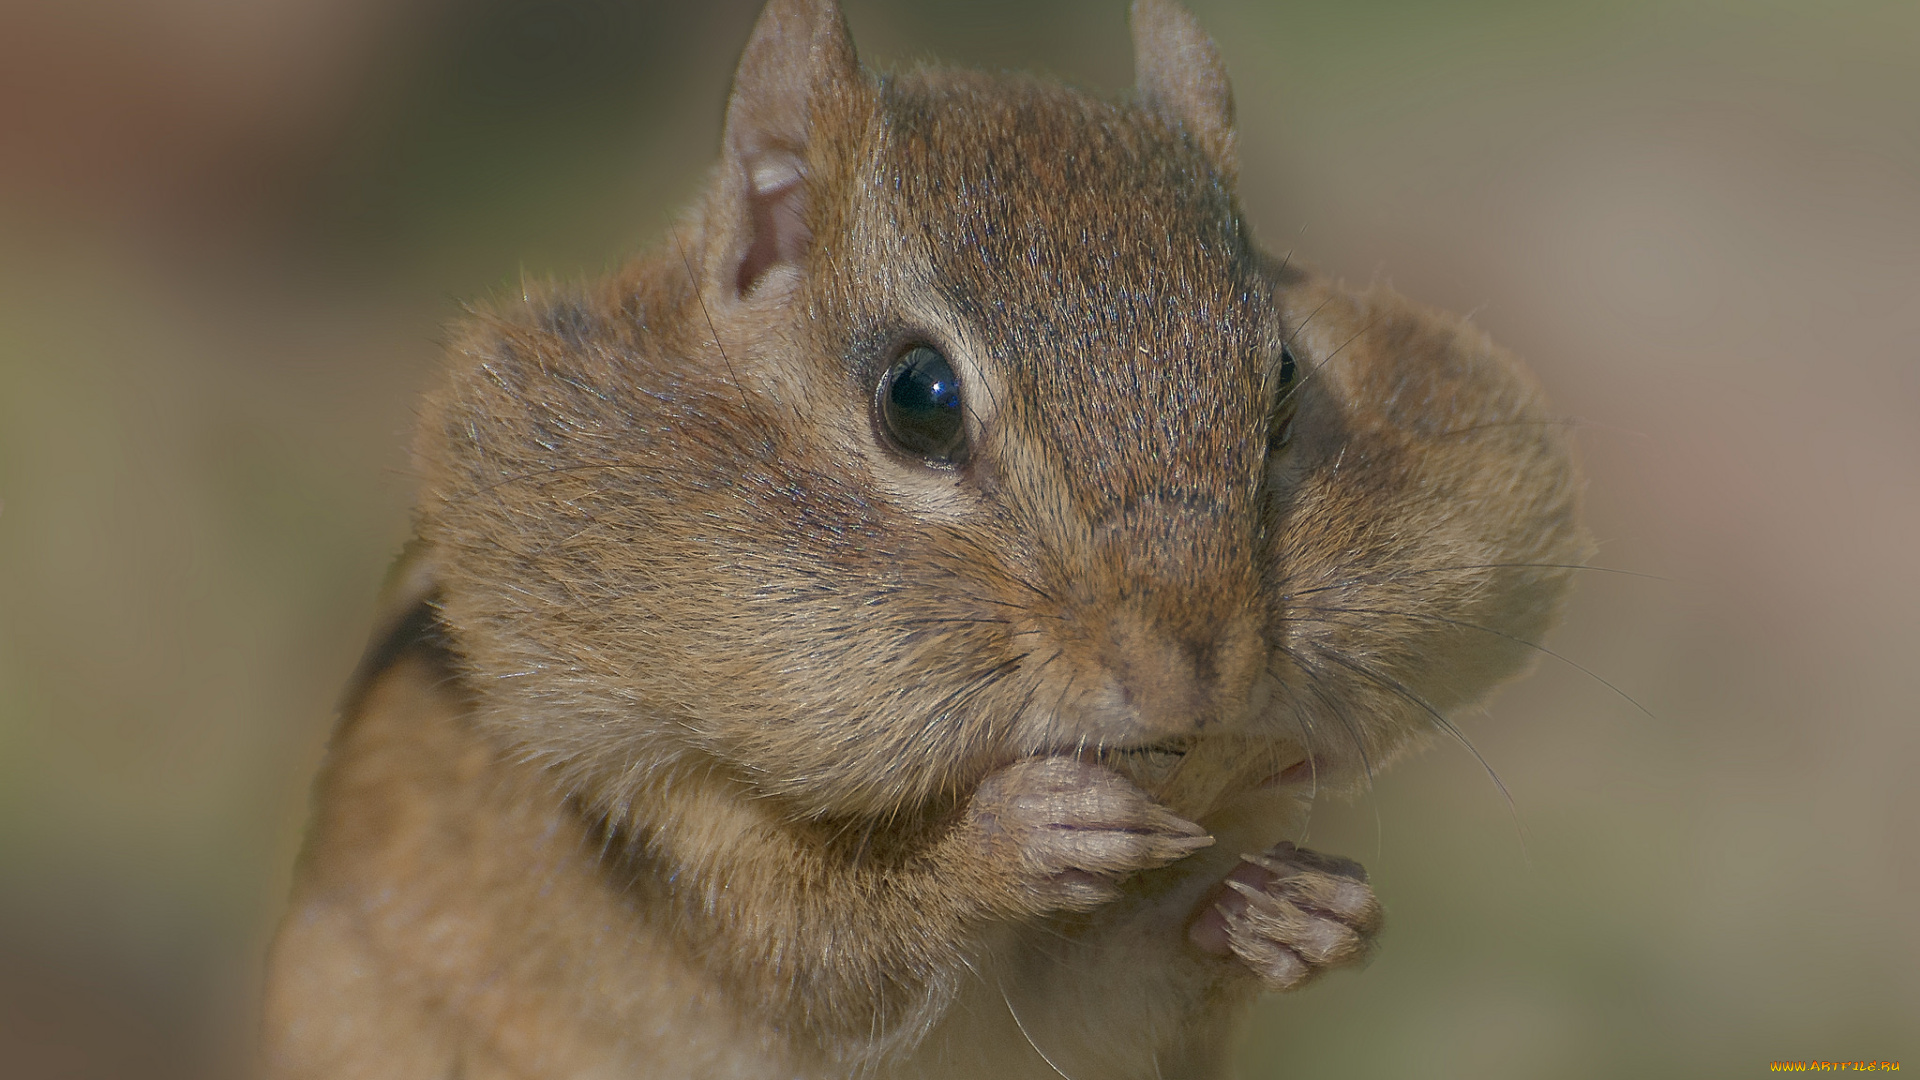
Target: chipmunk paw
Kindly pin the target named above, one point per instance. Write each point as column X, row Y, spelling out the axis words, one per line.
column 1289, row 914
column 1074, row 830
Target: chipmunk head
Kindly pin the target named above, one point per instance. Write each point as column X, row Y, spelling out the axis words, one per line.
column 963, row 422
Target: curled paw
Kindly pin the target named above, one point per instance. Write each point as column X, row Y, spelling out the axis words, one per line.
column 1289, row 914
column 1072, row 830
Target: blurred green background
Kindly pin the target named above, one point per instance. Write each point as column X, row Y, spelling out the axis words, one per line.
column 230, row 230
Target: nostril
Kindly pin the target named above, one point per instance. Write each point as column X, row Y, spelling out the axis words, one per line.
column 1164, row 680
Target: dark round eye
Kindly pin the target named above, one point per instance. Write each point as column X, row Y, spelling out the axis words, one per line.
column 1280, row 426
column 920, row 406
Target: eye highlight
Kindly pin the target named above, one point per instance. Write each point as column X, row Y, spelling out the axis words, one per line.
column 919, row 406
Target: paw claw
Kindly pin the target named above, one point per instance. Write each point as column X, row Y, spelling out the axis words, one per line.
column 1075, row 829
column 1256, row 898
column 1269, row 864
column 1289, row 913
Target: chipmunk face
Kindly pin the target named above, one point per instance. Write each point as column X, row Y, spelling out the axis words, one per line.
column 980, row 429
column 1110, row 352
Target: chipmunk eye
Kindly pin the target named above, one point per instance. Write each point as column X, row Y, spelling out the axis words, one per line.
column 919, row 403
column 1280, row 426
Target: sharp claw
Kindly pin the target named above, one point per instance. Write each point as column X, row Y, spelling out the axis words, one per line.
column 1272, row 865
column 1237, row 922
column 1253, row 895
column 1176, row 823
column 1244, row 889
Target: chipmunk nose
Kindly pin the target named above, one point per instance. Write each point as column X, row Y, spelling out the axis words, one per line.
column 1173, row 627
column 1163, row 679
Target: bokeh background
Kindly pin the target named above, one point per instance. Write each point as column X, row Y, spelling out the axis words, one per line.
column 230, row 230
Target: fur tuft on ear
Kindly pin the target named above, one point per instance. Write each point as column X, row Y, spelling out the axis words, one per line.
column 1178, row 71
column 800, row 54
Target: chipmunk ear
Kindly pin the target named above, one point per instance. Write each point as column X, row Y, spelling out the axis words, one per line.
column 799, row 58
column 1178, row 72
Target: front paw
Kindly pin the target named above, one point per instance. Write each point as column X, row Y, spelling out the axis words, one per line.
column 1070, row 831
column 1290, row 914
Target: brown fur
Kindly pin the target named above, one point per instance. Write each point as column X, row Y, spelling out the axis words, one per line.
column 729, row 742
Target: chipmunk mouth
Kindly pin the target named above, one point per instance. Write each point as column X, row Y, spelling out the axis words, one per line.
column 1174, row 748
column 1151, row 765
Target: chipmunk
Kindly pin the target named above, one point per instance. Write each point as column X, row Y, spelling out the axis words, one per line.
column 892, row 628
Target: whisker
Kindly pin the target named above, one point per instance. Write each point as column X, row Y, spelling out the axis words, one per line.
column 1287, row 260
column 1319, row 691
column 1318, row 688
column 1313, row 774
column 1328, row 359
column 700, row 295
column 967, row 404
column 1064, row 691
column 986, row 678
column 1303, row 322
column 1391, row 575
column 963, row 695
column 1030, row 587
column 1581, row 668
column 1007, row 604
column 1021, row 1024
column 1033, row 689
column 1444, row 724
column 976, row 685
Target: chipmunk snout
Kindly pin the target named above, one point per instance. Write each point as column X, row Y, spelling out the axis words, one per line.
column 1165, row 637
column 1156, row 678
